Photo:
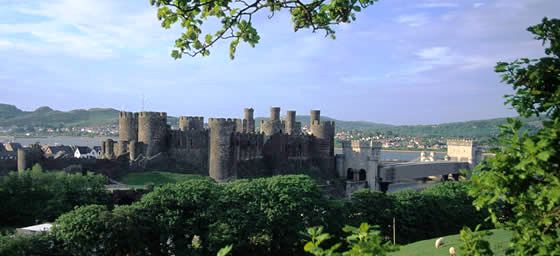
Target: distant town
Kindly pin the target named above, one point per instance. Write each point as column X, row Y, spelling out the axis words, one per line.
column 388, row 140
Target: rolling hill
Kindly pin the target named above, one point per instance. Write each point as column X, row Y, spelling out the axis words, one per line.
column 44, row 116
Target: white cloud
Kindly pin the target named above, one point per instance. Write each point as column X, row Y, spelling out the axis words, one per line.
column 477, row 5
column 413, row 20
column 85, row 28
column 5, row 44
column 439, row 54
column 438, row 4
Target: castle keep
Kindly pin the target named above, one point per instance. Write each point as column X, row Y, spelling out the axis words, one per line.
column 227, row 148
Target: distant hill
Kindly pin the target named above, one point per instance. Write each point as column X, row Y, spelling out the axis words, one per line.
column 44, row 116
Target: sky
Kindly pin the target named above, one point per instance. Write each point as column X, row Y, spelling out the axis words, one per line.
column 400, row 62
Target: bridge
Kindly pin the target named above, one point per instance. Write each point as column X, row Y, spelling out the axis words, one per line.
column 413, row 171
column 361, row 165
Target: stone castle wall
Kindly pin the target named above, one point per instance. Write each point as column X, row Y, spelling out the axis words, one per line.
column 229, row 148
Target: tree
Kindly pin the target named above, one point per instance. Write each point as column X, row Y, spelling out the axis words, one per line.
column 473, row 242
column 372, row 207
column 362, row 240
column 265, row 216
column 523, row 180
column 36, row 196
column 235, row 19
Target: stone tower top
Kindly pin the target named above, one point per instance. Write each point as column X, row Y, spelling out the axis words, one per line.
column 275, row 113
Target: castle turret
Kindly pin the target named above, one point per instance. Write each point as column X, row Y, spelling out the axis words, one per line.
column 222, row 160
column 249, row 120
column 152, row 131
column 324, row 134
column 110, row 149
column 273, row 125
column 275, row 113
column 290, row 123
column 191, row 123
column 21, row 159
column 128, row 126
column 133, row 150
column 315, row 115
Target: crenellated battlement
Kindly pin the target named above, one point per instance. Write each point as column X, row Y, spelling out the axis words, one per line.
column 152, row 114
column 461, row 142
column 124, row 114
column 215, row 121
column 324, row 123
column 361, row 144
column 192, row 118
column 365, row 144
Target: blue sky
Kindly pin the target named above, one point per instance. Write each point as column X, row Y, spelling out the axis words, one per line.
column 401, row 62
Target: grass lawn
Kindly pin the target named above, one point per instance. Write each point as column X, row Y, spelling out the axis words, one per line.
column 156, row 178
column 498, row 241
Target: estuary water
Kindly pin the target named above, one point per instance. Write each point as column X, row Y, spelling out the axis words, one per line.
column 58, row 140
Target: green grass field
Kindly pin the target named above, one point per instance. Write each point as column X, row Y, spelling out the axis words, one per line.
column 498, row 241
column 156, row 178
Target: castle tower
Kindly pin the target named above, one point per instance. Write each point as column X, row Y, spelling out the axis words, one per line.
column 152, row 131
column 222, row 160
column 110, row 149
column 249, row 120
column 290, row 122
column 128, row 126
column 191, row 123
column 273, row 125
column 324, row 134
column 315, row 115
column 463, row 150
column 275, row 113
column 21, row 159
column 133, row 149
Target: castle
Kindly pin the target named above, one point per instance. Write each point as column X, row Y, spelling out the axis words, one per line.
column 228, row 148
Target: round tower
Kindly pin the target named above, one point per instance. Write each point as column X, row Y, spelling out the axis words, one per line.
column 132, row 150
column 275, row 113
column 191, row 123
column 128, row 126
column 152, row 131
column 290, row 122
column 315, row 116
column 110, row 147
column 323, row 133
column 21, row 159
column 249, row 120
column 221, row 160
column 273, row 125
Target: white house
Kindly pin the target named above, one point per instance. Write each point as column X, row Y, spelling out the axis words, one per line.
column 85, row 152
column 46, row 227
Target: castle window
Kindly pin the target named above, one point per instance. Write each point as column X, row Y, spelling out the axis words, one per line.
column 362, row 174
column 349, row 174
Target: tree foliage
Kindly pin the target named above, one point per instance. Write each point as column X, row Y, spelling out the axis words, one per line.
column 521, row 185
column 36, row 196
column 199, row 216
column 473, row 243
column 38, row 244
column 440, row 210
column 362, row 240
column 235, row 19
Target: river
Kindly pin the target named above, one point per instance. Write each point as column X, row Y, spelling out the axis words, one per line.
column 386, row 155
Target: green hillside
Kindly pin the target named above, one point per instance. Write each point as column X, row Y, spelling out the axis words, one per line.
column 499, row 241
column 45, row 116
